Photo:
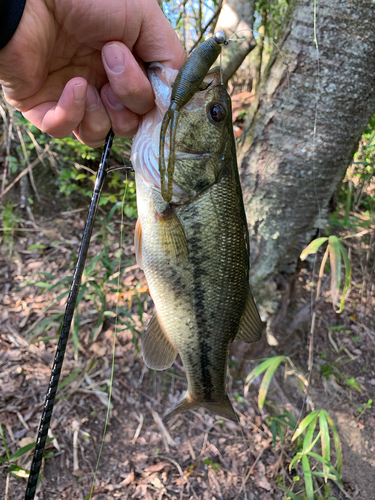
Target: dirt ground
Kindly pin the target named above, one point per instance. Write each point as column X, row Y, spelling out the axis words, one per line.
column 194, row 455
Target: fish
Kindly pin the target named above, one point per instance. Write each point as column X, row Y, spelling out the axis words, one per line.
column 194, row 250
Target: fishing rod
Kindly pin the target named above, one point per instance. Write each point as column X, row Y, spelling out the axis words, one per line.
column 67, row 320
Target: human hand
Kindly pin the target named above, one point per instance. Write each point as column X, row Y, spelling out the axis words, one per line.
column 78, row 65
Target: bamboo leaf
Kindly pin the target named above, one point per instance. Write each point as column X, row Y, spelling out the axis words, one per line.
column 348, row 276
column 337, row 441
column 325, row 462
column 263, row 389
column 4, row 442
column 25, row 449
column 292, row 495
column 18, row 471
column 295, row 460
column 313, row 247
column 261, row 368
column 335, row 260
column 305, row 422
column 309, row 434
column 308, row 477
column 325, row 440
column 311, row 445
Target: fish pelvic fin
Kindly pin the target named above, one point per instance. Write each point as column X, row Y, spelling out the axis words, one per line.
column 222, row 408
column 157, row 350
column 251, row 326
column 138, row 243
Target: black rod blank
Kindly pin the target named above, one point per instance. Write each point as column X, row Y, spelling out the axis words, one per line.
column 67, row 320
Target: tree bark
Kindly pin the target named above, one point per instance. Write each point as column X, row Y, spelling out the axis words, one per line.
column 260, row 47
column 301, row 133
column 236, row 16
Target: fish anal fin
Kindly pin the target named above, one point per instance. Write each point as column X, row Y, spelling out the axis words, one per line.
column 157, row 350
column 222, row 408
column 138, row 243
column 251, row 326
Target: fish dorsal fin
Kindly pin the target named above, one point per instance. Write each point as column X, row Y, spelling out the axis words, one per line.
column 138, row 243
column 251, row 326
column 157, row 350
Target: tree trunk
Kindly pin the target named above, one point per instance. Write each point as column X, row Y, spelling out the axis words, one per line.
column 236, row 16
column 260, row 47
column 289, row 172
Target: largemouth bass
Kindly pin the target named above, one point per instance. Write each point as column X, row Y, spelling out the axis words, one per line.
column 194, row 250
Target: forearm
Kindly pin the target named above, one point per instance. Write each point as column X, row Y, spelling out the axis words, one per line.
column 10, row 16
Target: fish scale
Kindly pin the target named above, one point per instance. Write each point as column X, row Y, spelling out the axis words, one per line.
column 195, row 253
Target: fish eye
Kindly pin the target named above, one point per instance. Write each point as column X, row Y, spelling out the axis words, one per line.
column 217, row 112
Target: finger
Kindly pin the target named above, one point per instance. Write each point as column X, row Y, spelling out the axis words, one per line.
column 96, row 123
column 124, row 121
column 157, row 40
column 128, row 82
column 61, row 118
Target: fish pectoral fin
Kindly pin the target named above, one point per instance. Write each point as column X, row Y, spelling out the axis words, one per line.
column 251, row 326
column 138, row 243
column 222, row 408
column 172, row 235
column 157, row 350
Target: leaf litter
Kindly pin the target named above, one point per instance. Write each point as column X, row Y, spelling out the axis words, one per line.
column 194, row 456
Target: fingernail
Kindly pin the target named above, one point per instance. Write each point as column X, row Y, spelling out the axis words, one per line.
column 114, row 58
column 113, row 101
column 92, row 98
column 79, row 92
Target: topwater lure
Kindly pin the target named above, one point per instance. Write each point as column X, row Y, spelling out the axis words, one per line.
column 186, row 84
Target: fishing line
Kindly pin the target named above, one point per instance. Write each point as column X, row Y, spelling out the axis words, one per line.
column 114, row 342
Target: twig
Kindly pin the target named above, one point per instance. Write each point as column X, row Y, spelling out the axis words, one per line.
column 25, row 171
column 178, row 467
column 167, row 438
column 204, row 29
column 251, row 470
column 26, row 156
column 139, row 428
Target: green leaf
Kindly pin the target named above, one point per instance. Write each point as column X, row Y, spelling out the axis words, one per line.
column 262, row 367
column 305, row 422
column 313, row 247
column 68, row 379
column 292, row 495
column 18, row 471
column 307, row 477
column 354, row 384
column 337, row 441
column 348, row 276
column 335, row 260
column 4, row 442
column 325, row 462
column 309, row 434
column 325, row 439
column 37, row 247
column 263, row 389
column 297, row 457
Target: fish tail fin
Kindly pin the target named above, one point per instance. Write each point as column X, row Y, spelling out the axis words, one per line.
column 186, row 403
column 222, row 408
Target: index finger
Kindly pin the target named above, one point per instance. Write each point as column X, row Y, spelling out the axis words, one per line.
column 157, row 41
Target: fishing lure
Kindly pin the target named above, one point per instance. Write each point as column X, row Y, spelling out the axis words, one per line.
column 188, row 81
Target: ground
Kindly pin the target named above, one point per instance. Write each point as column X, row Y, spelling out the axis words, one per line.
column 194, row 455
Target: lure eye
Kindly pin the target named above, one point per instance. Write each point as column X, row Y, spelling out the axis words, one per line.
column 217, row 112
